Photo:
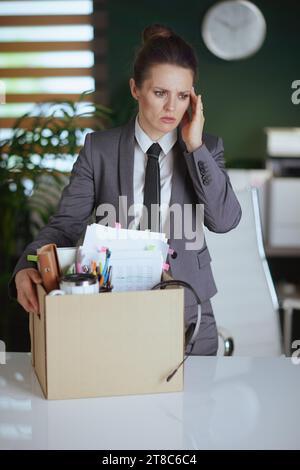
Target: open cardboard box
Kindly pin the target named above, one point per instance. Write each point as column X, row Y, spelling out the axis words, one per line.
column 117, row 343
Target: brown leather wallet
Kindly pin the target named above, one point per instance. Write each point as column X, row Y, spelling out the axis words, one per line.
column 49, row 267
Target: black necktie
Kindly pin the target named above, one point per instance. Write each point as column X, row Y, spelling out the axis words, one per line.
column 152, row 188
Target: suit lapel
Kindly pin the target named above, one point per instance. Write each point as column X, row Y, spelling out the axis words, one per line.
column 126, row 166
column 179, row 171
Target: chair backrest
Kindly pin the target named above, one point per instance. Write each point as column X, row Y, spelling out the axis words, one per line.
column 246, row 302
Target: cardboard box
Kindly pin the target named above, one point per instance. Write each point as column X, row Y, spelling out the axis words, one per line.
column 117, row 343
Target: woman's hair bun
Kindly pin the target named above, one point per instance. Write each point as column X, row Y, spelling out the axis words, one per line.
column 155, row 31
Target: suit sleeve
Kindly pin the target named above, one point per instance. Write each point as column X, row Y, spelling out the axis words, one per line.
column 222, row 211
column 74, row 209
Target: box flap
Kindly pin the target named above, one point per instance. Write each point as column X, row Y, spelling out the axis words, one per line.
column 39, row 333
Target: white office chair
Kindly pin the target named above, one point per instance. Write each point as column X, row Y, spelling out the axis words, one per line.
column 246, row 303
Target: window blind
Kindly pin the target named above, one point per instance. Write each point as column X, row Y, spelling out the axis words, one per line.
column 47, row 52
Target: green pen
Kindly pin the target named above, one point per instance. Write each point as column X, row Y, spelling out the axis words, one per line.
column 34, row 258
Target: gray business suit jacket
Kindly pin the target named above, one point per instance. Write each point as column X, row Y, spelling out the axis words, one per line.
column 104, row 170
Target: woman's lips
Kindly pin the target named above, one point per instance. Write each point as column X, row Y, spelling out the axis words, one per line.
column 167, row 119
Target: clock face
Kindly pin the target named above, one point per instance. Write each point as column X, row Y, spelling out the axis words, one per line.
column 234, row 29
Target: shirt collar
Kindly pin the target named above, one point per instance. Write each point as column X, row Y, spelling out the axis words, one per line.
column 166, row 141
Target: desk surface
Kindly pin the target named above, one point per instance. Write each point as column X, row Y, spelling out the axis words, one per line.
column 227, row 403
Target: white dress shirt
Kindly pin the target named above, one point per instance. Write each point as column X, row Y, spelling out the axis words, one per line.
column 166, row 162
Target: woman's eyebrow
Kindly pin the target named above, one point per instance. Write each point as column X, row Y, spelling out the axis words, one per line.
column 164, row 89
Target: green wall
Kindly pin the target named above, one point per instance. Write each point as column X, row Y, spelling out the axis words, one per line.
column 240, row 97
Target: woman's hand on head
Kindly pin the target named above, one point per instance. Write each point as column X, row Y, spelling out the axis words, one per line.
column 192, row 128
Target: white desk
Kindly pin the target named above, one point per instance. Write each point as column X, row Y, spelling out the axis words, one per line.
column 228, row 403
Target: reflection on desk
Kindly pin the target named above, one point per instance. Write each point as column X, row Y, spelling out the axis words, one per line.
column 227, row 403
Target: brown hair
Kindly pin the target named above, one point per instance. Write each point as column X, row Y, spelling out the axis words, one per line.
column 160, row 45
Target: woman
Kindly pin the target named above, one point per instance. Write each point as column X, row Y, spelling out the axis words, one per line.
column 188, row 169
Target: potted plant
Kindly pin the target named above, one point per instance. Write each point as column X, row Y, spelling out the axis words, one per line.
column 31, row 173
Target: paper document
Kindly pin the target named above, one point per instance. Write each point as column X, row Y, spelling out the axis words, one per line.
column 137, row 257
column 139, row 270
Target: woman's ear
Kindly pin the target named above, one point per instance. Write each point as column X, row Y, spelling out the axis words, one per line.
column 133, row 89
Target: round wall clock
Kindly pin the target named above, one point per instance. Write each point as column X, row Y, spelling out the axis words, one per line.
column 234, row 29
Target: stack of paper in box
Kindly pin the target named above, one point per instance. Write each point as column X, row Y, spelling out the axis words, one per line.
column 137, row 257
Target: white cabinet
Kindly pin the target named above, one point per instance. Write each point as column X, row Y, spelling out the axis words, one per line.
column 279, row 200
column 283, row 212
